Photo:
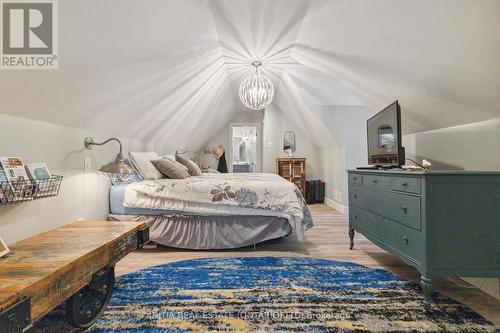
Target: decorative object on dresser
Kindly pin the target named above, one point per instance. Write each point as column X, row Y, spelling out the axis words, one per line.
column 293, row 170
column 117, row 169
column 443, row 223
column 49, row 269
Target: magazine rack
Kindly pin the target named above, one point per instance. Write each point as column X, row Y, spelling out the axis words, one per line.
column 29, row 189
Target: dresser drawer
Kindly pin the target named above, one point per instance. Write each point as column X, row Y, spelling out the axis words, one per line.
column 399, row 207
column 355, row 178
column 377, row 181
column 406, row 184
column 395, row 236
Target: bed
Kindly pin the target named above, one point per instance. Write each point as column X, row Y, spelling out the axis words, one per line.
column 213, row 211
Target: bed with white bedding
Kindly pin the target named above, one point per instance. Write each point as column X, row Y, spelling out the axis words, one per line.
column 214, row 211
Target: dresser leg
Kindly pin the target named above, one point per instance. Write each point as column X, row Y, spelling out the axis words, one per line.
column 351, row 237
column 426, row 285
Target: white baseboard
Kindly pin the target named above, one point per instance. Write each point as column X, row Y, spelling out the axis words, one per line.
column 337, row 206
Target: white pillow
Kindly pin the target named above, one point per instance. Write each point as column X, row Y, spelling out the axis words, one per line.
column 142, row 163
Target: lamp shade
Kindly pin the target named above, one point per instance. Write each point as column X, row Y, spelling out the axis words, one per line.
column 117, row 169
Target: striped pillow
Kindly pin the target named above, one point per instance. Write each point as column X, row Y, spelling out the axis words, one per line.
column 193, row 168
column 172, row 158
column 170, row 168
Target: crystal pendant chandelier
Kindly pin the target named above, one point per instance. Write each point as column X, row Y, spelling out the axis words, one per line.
column 256, row 90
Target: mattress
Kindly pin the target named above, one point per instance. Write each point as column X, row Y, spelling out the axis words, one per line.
column 117, row 207
column 117, row 197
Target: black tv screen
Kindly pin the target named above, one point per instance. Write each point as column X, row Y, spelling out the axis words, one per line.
column 384, row 137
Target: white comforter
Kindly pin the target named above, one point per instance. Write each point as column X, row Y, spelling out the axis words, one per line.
column 224, row 194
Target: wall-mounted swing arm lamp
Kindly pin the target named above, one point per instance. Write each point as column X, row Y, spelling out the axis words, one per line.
column 117, row 169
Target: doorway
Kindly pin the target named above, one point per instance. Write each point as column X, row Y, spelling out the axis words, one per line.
column 245, row 147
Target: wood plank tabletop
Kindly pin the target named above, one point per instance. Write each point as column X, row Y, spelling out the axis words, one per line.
column 60, row 260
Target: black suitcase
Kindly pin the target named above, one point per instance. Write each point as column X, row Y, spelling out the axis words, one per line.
column 315, row 191
column 310, row 192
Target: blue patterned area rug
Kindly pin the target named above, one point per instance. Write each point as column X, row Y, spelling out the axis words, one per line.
column 272, row 294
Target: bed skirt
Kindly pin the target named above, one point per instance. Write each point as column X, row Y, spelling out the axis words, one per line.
column 210, row 232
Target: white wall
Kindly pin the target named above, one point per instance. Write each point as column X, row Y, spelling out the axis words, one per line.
column 222, row 137
column 276, row 123
column 332, row 170
column 473, row 146
column 82, row 195
column 347, row 123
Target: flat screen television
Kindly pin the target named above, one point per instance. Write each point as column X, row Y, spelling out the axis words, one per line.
column 384, row 138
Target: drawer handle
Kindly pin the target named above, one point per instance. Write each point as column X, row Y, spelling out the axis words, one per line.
column 375, row 180
column 355, row 178
column 405, row 240
column 404, row 209
column 356, row 216
column 355, row 195
column 404, row 183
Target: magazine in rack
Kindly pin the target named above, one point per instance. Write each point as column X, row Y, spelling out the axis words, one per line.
column 14, row 180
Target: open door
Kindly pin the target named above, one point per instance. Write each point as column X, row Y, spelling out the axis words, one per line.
column 245, row 148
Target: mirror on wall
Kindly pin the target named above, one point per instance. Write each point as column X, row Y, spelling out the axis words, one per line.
column 289, row 142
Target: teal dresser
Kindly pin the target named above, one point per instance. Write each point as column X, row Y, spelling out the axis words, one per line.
column 444, row 223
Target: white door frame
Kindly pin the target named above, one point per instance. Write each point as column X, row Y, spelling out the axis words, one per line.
column 258, row 166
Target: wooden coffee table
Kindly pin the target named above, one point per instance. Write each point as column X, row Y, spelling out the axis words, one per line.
column 72, row 264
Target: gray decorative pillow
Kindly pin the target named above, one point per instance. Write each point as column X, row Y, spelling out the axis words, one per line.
column 172, row 158
column 193, row 168
column 170, row 169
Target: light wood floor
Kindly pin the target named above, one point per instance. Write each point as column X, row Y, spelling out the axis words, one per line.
column 328, row 240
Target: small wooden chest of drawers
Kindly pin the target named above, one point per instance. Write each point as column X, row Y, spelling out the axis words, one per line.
column 293, row 170
column 444, row 223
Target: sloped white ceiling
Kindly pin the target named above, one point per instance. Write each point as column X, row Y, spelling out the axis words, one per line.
column 257, row 30
column 441, row 59
column 150, row 70
column 168, row 71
